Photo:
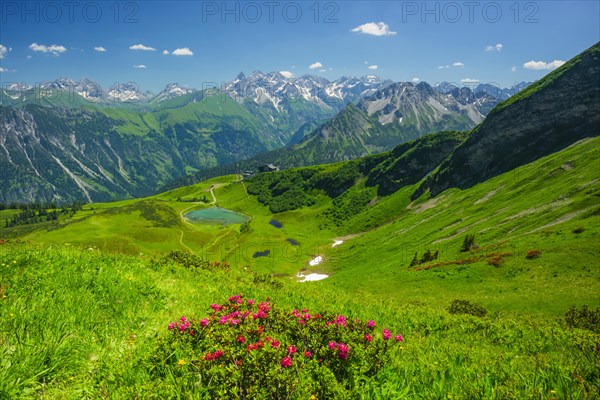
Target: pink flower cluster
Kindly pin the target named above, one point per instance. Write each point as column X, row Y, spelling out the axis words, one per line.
column 304, row 316
column 255, row 346
column 286, row 362
column 341, row 348
column 213, row 356
column 182, row 325
column 232, row 320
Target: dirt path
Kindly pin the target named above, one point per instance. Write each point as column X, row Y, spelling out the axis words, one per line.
column 240, row 179
column 183, row 244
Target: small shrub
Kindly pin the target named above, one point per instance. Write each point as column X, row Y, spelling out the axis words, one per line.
column 496, row 261
column 466, row 307
column 468, row 243
column 583, row 318
column 531, row 254
column 192, row 261
column 245, row 227
column 578, row 230
column 427, row 256
column 415, row 260
column 251, row 349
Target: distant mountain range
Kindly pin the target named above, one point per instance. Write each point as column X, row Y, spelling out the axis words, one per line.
column 397, row 113
column 67, row 140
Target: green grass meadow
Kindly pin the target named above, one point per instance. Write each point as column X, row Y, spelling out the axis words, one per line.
column 85, row 301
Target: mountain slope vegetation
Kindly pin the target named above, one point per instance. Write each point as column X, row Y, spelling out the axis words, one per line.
column 491, row 283
column 549, row 115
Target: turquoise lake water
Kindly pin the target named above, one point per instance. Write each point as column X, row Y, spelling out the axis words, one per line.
column 216, row 215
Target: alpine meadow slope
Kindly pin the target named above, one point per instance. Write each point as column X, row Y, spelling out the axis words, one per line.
column 449, row 275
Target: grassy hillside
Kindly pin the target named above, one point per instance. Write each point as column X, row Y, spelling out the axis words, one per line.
column 90, row 324
column 550, row 205
column 88, row 318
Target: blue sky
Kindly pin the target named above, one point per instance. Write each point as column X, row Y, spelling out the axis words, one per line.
column 458, row 41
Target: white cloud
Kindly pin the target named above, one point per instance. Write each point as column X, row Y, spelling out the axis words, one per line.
column 458, row 64
column 287, row 74
column 140, row 66
column 469, row 80
column 316, row 65
column 375, row 29
column 514, row 69
column 540, row 65
column 182, row 52
column 165, row 52
column 100, row 49
column 497, row 47
column 293, row 66
column 322, row 70
column 416, row 79
column 54, row 49
column 366, row 62
column 141, row 47
column 4, row 51
column 3, row 69
column 28, row 57
column 373, row 66
column 443, row 66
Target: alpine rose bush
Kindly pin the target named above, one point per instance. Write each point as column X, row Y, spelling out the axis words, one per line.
column 250, row 349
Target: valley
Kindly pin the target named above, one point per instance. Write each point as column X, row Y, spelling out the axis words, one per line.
column 316, row 232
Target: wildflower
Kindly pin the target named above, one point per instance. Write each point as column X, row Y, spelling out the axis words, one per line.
column 291, row 349
column 306, row 316
column 313, row 397
column 343, row 349
column 386, row 334
column 264, row 306
column 275, row 344
column 204, row 322
column 307, row 354
column 286, row 362
column 332, row 345
column 234, row 321
column 171, row 326
column 305, row 310
column 398, row 338
column 218, row 354
column 371, row 324
column 181, row 362
column 241, row 339
column 368, row 338
column 340, row 320
column 216, row 307
column 250, row 302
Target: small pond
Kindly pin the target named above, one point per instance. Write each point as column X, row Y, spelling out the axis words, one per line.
column 216, row 215
column 261, row 254
column 276, row 223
